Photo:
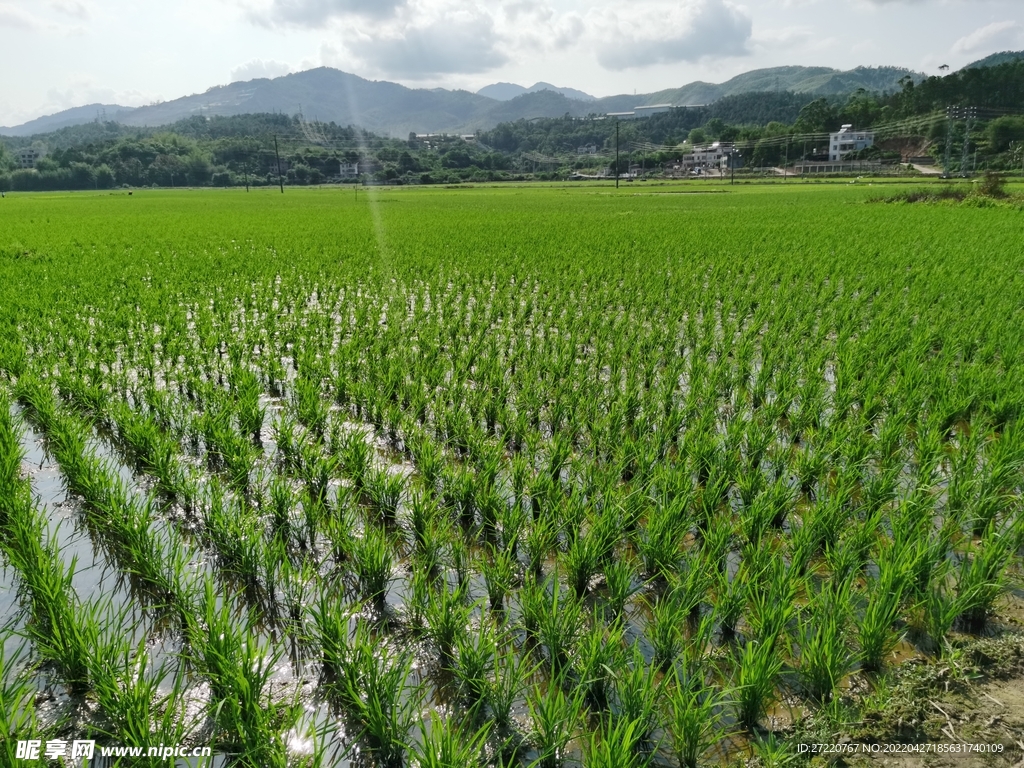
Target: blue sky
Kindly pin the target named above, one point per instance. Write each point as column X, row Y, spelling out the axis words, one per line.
column 65, row 53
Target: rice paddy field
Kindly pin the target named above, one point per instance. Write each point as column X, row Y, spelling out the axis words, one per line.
column 524, row 476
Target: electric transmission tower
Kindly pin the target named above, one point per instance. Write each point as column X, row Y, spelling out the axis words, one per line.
column 970, row 115
column 952, row 113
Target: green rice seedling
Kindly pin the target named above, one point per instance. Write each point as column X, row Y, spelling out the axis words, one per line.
column 658, row 544
column 581, row 563
column 876, row 633
column 771, row 603
column 384, row 490
column 825, row 657
column 295, row 583
column 981, row 577
column 520, row 470
column 730, row 600
column 356, row 454
column 288, row 445
column 445, row 744
column 556, row 720
column 461, row 557
column 316, row 471
column 17, row 701
column 540, row 540
column 474, row 661
column 512, row 521
column 424, row 517
column 282, row 504
column 373, row 562
column 64, row 630
column 422, row 579
column 239, row 673
column 499, row 575
column 384, row 704
column 341, row 645
column 940, row 608
column 310, row 408
column 127, row 690
column 664, row 631
column 691, row 716
column 532, row 603
column 428, row 458
column 559, row 626
column 638, row 692
column 715, row 543
column 621, row 579
column 511, row 673
column 616, row 743
column 541, row 491
column 758, row 667
column 598, row 654
column 247, row 404
column 876, row 625
column 772, row 751
column 447, row 616
column 459, row 493
column 338, row 527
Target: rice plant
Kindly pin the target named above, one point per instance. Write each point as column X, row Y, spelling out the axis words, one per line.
column 556, row 719
column 691, row 716
column 448, row 744
column 758, row 667
column 373, row 562
column 825, row 656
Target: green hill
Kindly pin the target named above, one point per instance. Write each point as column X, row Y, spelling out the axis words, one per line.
column 996, row 59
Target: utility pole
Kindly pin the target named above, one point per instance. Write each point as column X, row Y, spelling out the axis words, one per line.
column 280, row 181
column 785, row 163
column 616, row 153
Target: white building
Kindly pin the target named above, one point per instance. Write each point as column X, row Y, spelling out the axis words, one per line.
column 29, row 156
column 348, row 170
column 708, row 156
column 848, row 140
column 653, row 109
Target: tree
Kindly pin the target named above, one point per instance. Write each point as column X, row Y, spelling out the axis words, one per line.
column 1003, row 131
column 817, row 117
column 698, row 136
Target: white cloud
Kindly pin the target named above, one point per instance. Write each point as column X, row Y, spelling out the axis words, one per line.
column 71, row 8
column 460, row 41
column 258, row 68
column 85, row 91
column 996, row 36
column 666, row 34
column 317, row 14
column 17, row 18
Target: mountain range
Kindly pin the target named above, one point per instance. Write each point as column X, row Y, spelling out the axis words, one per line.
column 508, row 91
column 330, row 95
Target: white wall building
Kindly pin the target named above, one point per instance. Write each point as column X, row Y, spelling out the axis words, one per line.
column 347, row 170
column 848, row 140
column 653, row 109
column 708, row 156
column 29, row 156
